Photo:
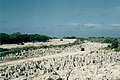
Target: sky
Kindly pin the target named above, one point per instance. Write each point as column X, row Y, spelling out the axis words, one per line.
column 59, row 18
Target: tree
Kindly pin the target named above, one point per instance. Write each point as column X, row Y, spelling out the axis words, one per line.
column 17, row 38
column 4, row 38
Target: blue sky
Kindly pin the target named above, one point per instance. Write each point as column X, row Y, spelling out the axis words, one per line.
column 83, row 18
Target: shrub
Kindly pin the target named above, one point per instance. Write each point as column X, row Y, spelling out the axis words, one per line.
column 108, row 40
column 114, row 44
column 61, row 39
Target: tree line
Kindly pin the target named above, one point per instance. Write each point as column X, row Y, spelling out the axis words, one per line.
column 17, row 38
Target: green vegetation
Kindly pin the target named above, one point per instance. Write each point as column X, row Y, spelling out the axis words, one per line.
column 71, row 37
column 96, row 39
column 61, row 39
column 4, row 52
column 18, row 38
column 115, row 42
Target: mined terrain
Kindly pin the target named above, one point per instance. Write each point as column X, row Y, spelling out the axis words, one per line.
column 84, row 61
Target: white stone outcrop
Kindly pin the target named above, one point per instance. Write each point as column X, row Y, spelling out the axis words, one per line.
column 94, row 63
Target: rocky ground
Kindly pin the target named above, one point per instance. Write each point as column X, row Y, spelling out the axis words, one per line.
column 70, row 63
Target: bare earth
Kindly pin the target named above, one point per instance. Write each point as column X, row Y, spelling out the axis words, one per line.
column 94, row 63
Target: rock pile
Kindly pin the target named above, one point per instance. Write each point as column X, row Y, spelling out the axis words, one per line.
column 95, row 64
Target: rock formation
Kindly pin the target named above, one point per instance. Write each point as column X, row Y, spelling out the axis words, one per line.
column 95, row 63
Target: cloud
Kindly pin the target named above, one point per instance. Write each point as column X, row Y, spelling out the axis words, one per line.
column 84, row 24
column 91, row 25
column 74, row 24
column 116, row 25
column 59, row 25
column 80, row 25
column 67, row 24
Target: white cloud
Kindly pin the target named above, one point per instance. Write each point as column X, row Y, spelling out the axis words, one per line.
column 74, row 24
column 91, row 25
column 68, row 24
column 58, row 25
column 116, row 25
column 84, row 25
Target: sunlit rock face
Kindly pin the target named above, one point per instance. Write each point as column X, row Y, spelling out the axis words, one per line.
column 94, row 63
